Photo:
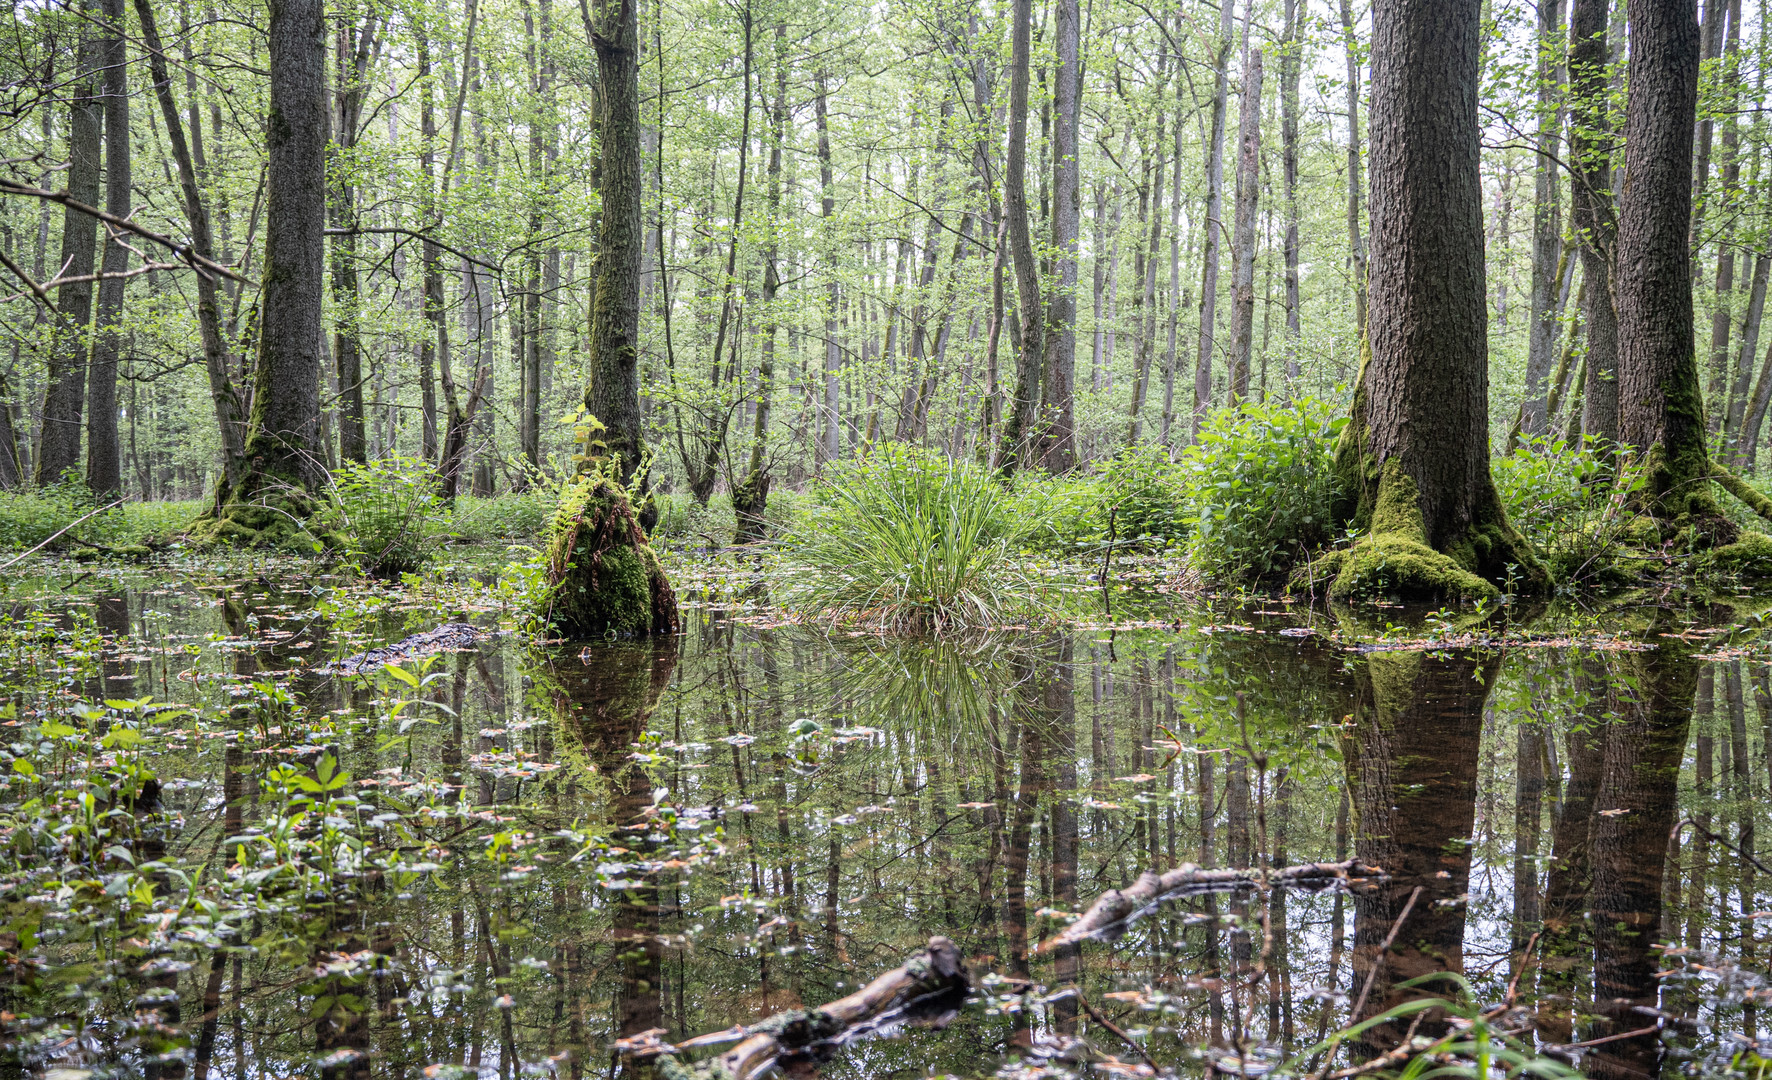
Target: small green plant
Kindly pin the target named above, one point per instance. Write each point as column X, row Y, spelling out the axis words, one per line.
column 1258, row 485
column 1062, row 515
column 905, row 540
column 1143, row 492
column 1567, row 503
column 387, row 511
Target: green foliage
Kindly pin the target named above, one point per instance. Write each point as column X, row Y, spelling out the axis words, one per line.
column 1062, row 515
column 905, row 540
column 682, row 519
column 388, row 513
column 31, row 516
column 1558, row 496
column 1144, row 494
column 1258, row 485
column 521, row 516
column 602, row 578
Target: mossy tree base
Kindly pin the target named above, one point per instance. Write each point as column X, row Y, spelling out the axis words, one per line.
column 1394, row 559
column 603, row 578
column 263, row 512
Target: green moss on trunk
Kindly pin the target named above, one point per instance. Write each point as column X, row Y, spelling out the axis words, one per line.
column 603, row 578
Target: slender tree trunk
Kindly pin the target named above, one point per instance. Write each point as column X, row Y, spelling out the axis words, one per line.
column 1243, row 238
column 1290, row 60
column 1710, row 40
column 1024, row 406
column 1145, row 306
column 1356, row 238
column 1739, row 397
column 1721, row 320
column 751, row 497
column 224, row 393
column 1660, row 410
column 613, row 395
column 436, row 339
column 354, row 51
column 1592, row 212
column 1547, row 224
column 830, row 446
column 104, row 459
column 1214, row 223
column 1058, row 420
column 65, row 397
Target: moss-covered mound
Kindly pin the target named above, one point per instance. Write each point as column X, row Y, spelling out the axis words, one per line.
column 1394, row 559
column 263, row 511
column 603, row 578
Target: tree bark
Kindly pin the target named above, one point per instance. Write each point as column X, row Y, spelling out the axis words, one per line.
column 355, row 49
column 104, row 458
column 1214, row 223
column 1243, row 237
column 1144, row 307
column 1058, row 419
column 1547, row 225
column 1414, row 460
column 1356, row 238
column 1721, row 318
column 1024, row 406
column 436, row 339
column 1660, row 411
column 830, row 445
column 750, row 499
column 1591, row 208
column 613, row 395
column 1290, row 58
column 65, row 396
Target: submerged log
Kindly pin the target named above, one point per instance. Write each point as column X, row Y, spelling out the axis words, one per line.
column 926, row 989
column 602, row 576
column 1109, row 916
column 448, row 636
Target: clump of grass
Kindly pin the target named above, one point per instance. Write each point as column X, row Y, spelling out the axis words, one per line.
column 387, row 511
column 905, row 541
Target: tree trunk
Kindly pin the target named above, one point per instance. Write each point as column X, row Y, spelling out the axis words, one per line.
column 1721, row 321
column 104, row 458
column 613, row 395
column 1243, row 238
column 1414, row 460
column 830, row 445
column 1547, row 225
column 1592, row 212
column 1144, row 308
column 1290, row 58
column 750, row 498
column 64, row 399
column 1024, row 407
column 354, row 48
column 1739, row 398
column 1711, row 42
column 436, row 339
column 1356, row 239
column 1214, row 223
column 1058, row 420
column 1660, row 412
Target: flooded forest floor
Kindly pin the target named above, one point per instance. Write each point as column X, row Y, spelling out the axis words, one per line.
column 225, row 853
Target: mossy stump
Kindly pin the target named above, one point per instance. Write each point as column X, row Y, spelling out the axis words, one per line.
column 263, row 511
column 603, row 578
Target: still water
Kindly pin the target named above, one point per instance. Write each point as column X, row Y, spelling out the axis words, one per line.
column 537, row 851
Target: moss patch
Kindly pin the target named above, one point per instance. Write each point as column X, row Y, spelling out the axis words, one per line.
column 267, row 514
column 1748, row 557
column 603, row 578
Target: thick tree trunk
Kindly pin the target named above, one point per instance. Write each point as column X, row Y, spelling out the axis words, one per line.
column 1592, row 212
column 1660, row 411
column 1024, row 406
column 1414, row 460
column 1243, row 236
column 1547, row 225
column 104, row 458
column 65, row 397
column 1214, row 223
column 613, row 395
column 1058, row 420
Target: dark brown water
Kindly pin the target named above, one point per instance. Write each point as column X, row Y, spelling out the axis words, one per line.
column 551, row 849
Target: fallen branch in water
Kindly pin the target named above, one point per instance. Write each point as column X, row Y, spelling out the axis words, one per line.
column 1117, row 907
column 935, row 975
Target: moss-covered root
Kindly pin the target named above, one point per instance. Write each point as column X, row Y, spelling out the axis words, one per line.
column 262, row 512
column 603, row 578
column 1394, row 558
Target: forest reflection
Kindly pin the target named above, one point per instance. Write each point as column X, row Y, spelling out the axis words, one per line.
column 783, row 815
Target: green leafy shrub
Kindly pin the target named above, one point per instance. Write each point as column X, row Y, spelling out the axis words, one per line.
column 521, row 516
column 388, row 514
column 1258, row 484
column 1142, row 494
column 30, row 517
column 904, row 540
column 1062, row 515
column 1558, row 495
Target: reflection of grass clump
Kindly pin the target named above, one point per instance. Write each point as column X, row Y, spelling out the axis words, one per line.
column 906, row 541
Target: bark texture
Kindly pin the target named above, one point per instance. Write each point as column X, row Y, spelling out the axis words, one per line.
column 1414, row 459
column 104, row 459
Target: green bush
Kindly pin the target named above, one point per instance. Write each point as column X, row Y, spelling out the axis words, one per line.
column 1258, row 484
column 1061, row 515
column 1143, row 496
column 388, row 513
column 521, row 516
column 904, row 540
column 1561, row 499
column 30, row 517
